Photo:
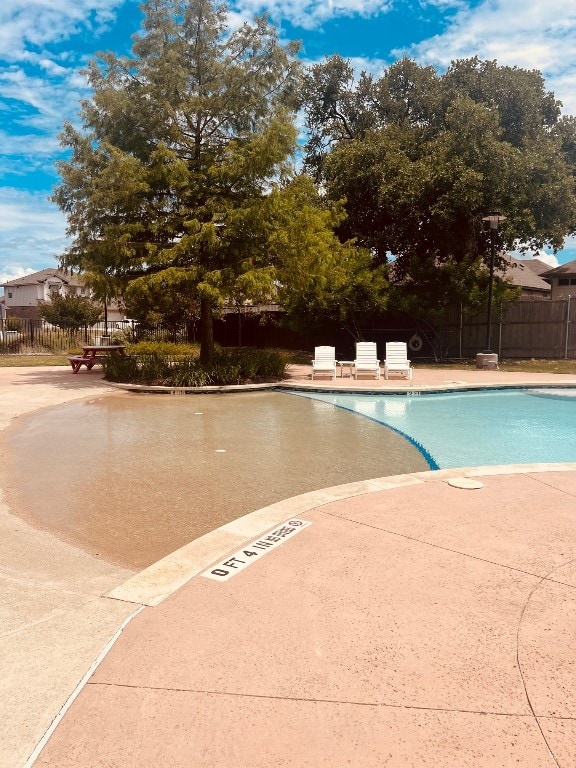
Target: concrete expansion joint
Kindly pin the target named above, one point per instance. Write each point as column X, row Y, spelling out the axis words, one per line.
column 519, row 649
column 54, row 614
column 313, row 699
column 158, row 581
column 459, row 552
column 541, row 479
column 76, row 692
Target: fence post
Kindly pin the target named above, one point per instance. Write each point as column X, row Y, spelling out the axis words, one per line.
column 567, row 328
column 460, row 331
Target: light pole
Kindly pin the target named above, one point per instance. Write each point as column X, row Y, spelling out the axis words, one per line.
column 493, row 220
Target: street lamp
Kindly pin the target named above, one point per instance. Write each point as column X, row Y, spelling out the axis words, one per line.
column 493, row 221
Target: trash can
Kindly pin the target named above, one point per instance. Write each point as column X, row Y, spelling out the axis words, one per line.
column 487, row 361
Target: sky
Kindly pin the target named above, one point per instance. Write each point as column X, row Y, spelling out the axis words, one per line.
column 44, row 44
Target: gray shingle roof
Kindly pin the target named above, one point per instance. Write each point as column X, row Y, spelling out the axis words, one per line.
column 536, row 265
column 522, row 276
column 43, row 275
column 564, row 270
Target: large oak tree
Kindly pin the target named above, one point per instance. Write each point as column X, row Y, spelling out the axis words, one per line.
column 421, row 158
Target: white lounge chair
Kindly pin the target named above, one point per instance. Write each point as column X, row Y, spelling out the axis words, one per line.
column 397, row 360
column 324, row 361
column 366, row 359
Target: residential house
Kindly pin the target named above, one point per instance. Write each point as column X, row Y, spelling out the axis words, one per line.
column 525, row 274
column 22, row 295
column 562, row 280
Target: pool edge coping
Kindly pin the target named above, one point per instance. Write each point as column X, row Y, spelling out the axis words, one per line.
column 325, row 387
column 161, row 579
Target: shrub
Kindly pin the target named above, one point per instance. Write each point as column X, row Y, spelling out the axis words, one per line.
column 188, row 373
column 13, row 324
column 163, row 349
column 122, row 368
column 173, row 365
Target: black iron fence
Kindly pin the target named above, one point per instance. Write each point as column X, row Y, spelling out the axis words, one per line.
column 37, row 337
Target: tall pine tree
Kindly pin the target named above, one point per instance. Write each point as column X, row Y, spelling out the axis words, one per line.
column 180, row 180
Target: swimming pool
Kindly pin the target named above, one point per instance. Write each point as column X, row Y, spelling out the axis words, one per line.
column 475, row 428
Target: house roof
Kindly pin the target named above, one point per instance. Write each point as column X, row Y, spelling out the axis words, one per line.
column 564, row 270
column 536, row 265
column 523, row 276
column 43, row 276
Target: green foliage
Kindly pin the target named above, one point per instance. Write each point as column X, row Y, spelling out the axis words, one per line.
column 162, row 349
column 255, row 364
column 420, row 159
column 13, row 324
column 70, row 312
column 166, row 191
column 168, row 367
column 357, row 291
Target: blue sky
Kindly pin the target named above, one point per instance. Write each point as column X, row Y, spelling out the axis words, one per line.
column 44, row 45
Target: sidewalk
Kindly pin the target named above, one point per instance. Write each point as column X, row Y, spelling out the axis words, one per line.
column 412, row 623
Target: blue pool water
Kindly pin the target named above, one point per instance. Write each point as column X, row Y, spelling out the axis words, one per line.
column 460, row 429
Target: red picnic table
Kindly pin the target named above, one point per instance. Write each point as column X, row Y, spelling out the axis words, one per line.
column 94, row 354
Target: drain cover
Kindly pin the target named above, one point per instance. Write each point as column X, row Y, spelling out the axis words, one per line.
column 465, row 482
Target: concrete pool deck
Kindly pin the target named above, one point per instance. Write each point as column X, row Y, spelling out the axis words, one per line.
column 413, row 622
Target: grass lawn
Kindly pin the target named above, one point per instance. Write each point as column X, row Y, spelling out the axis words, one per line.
column 515, row 366
column 518, row 366
column 17, row 361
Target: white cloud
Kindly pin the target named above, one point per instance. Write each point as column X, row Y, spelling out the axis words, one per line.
column 568, row 253
column 38, row 23
column 14, row 273
column 308, row 14
column 32, row 231
column 40, row 83
column 533, row 35
column 547, row 258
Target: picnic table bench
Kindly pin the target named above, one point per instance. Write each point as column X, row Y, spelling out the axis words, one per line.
column 94, row 355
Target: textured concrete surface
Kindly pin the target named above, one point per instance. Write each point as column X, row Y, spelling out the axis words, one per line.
column 412, row 624
column 416, row 625
column 54, row 618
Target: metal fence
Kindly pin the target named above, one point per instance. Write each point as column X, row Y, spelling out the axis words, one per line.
column 36, row 337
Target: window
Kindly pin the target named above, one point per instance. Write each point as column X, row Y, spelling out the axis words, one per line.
column 564, row 281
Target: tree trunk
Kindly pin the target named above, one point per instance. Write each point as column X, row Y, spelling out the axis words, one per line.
column 206, row 331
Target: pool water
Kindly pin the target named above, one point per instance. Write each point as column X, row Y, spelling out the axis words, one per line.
column 131, row 478
column 460, row 429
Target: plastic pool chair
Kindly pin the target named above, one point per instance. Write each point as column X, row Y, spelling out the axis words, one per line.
column 324, row 361
column 397, row 359
column 366, row 359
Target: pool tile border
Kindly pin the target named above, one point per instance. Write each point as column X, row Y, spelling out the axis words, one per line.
column 161, row 579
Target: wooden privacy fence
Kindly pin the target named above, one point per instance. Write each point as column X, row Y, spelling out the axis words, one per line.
column 539, row 329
